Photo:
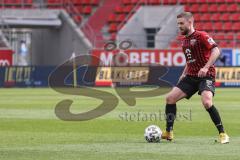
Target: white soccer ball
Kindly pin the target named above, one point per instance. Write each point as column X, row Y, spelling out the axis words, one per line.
column 153, row 134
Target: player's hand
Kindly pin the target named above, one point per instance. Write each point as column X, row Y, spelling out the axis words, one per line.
column 203, row 72
column 181, row 77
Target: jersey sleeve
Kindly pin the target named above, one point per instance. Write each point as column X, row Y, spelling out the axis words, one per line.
column 208, row 41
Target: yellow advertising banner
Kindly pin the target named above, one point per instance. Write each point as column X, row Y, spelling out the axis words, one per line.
column 122, row 74
column 228, row 74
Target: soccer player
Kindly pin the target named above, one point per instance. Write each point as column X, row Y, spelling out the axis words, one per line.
column 198, row 75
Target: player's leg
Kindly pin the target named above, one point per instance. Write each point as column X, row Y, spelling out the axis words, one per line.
column 206, row 97
column 185, row 89
column 207, row 92
column 171, row 99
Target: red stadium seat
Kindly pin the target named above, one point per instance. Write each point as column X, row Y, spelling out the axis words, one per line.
column 192, row 1
column 223, row 44
column 211, row 33
column 142, row 2
column 127, row 2
column 230, row 1
column 217, row 26
column 120, row 18
column 213, row 8
column 76, row 2
column 112, row 28
column 172, row 2
column 194, row 8
column 227, row 26
column 119, row 9
column 220, row 1
column 187, row 8
column 238, row 36
column 215, row 17
column 222, row 8
column 236, row 26
column 238, row 45
column 77, row 19
column 197, row 17
column 79, row 8
column 95, row 2
column 169, row 2
column 231, row 44
column 54, row 1
column 85, row 2
column 202, row 1
column 112, row 18
column 199, row 26
column 134, row 2
column 235, row 17
column 183, row 1
column 128, row 8
column 205, row 17
column 232, row 8
column 225, row 17
column 229, row 36
column 211, row 1
column 203, row 8
column 11, row 2
column 157, row 2
column 218, row 37
column 29, row 1
column 208, row 26
column 19, row 1
column 87, row 10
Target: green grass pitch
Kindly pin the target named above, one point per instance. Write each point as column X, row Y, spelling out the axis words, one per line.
column 29, row 129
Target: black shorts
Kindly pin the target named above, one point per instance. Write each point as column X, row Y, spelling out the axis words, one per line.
column 190, row 85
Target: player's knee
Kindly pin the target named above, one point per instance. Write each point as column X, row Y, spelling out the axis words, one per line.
column 170, row 99
column 207, row 103
column 207, row 99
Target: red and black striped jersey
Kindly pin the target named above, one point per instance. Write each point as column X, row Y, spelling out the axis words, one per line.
column 197, row 49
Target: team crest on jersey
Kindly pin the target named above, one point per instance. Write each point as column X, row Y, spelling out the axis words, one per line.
column 193, row 41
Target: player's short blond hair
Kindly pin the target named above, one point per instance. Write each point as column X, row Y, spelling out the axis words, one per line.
column 187, row 15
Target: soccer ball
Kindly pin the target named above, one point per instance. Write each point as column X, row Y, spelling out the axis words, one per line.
column 153, row 134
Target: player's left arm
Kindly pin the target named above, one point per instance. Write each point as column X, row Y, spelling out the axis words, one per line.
column 210, row 44
column 215, row 53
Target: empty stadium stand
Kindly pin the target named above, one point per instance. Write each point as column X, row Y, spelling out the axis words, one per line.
column 221, row 18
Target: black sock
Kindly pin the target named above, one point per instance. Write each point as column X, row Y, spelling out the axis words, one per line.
column 170, row 112
column 213, row 112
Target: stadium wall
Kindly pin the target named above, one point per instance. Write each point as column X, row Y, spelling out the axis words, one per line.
column 52, row 46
